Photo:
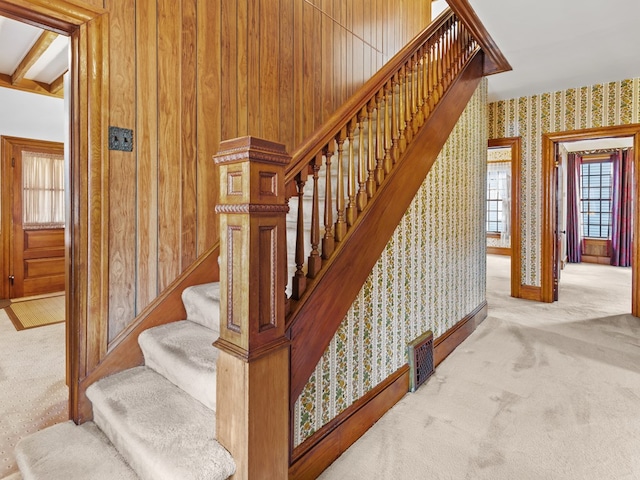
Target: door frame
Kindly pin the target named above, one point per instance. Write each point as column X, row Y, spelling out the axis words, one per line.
column 549, row 141
column 515, row 143
column 86, row 182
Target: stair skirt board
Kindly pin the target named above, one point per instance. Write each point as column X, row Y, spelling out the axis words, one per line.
column 66, row 451
column 162, row 432
column 320, row 450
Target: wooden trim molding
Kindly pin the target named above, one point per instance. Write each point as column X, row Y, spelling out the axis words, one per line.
column 449, row 341
column 320, row 450
column 530, row 292
column 495, row 61
column 549, row 141
column 506, row 251
column 87, row 195
column 333, row 439
column 515, row 143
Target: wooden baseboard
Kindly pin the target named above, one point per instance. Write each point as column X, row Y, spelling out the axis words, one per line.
column 596, row 259
column 320, row 450
column 499, row 250
column 447, row 343
column 529, row 292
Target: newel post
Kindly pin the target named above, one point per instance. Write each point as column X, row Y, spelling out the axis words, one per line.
column 253, row 365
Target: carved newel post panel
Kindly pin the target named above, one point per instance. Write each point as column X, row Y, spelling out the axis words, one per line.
column 253, row 365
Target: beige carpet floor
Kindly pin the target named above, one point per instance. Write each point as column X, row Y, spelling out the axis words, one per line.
column 538, row 391
column 33, row 394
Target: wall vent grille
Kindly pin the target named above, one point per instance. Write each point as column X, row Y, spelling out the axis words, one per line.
column 421, row 365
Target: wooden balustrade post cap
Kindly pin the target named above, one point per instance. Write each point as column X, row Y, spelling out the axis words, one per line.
column 251, row 148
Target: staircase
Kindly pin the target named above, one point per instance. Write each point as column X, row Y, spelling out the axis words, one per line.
column 152, row 422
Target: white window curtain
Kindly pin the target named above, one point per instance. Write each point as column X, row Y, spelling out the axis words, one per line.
column 500, row 173
column 42, row 190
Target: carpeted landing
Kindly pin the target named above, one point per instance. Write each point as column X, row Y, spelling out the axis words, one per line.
column 33, row 394
column 538, row 391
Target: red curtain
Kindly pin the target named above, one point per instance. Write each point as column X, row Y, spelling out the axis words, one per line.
column 574, row 227
column 622, row 208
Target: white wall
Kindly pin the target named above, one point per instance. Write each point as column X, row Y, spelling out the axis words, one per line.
column 29, row 115
column 437, row 8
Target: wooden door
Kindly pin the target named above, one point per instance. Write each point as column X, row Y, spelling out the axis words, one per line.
column 34, row 249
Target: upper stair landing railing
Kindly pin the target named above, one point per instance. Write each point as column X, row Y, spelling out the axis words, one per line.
column 348, row 159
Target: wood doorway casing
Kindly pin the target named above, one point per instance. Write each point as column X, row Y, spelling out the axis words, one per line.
column 86, row 182
column 549, row 142
column 515, row 144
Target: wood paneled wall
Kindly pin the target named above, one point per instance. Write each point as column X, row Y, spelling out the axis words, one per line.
column 187, row 74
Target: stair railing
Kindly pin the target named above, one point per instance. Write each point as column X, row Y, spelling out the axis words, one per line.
column 348, row 159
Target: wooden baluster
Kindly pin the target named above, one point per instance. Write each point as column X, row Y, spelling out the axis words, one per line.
column 299, row 281
column 402, row 146
column 314, row 263
column 420, row 80
column 425, row 80
column 439, row 62
column 328, row 241
column 414, row 94
column 361, row 200
column 284, row 259
column 408, row 132
column 388, row 112
column 341, row 225
column 352, row 210
column 395, row 129
column 379, row 137
column 371, row 153
column 430, row 77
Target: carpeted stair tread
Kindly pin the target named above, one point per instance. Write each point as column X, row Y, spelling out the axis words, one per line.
column 183, row 354
column 163, row 432
column 67, row 451
column 202, row 303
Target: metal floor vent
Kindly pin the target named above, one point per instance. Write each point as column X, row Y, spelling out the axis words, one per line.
column 421, row 364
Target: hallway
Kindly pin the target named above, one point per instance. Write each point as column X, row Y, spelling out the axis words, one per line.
column 538, row 391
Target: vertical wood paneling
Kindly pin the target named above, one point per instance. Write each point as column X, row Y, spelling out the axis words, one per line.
column 146, row 141
column 254, row 79
column 242, row 79
column 188, row 74
column 169, row 140
column 268, row 47
column 209, row 123
column 286, row 71
column 122, row 171
column 189, row 136
column 229, row 70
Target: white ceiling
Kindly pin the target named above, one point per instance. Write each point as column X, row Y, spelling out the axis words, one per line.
column 558, row 44
column 17, row 38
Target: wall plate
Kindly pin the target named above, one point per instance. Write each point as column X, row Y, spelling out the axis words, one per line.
column 121, row 139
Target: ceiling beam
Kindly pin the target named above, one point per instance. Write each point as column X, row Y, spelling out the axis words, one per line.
column 57, row 84
column 33, row 55
column 26, row 85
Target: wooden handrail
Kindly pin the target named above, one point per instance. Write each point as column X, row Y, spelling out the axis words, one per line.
column 370, row 133
column 307, row 150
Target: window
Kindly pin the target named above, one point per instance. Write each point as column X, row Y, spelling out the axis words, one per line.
column 497, row 186
column 595, row 204
column 42, row 190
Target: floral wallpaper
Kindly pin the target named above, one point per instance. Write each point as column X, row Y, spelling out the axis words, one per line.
column 430, row 276
column 601, row 105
